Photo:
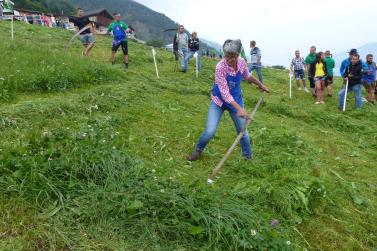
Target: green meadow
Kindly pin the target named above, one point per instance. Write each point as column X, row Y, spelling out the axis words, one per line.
column 93, row 157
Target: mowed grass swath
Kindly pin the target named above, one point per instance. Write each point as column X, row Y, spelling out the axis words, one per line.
column 93, row 158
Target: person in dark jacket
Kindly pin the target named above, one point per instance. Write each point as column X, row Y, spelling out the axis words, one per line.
column 353, row 75
column 193, row 44
column 318, row 71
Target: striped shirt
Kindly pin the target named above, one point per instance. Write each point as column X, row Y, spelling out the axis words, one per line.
column 222, row 70
column 298, row 64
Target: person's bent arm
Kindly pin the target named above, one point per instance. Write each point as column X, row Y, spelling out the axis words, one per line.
column 248, row 77
column 259, row 58
column 262, row 87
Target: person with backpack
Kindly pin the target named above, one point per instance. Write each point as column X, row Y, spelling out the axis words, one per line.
column 318, row 71
column 194, row 47
column 298, row 67
column 181, row 44
column 119, row 30
column 308, row 61
column 227, row 96
column 255, row 60
column 330, row 64
column 369, row 78
column 352, row 74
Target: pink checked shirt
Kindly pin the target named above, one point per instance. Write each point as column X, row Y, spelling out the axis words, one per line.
column 222, row 70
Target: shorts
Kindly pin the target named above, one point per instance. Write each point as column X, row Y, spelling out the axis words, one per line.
column 300, row 74
column 329, row 80
column 368, row 83
column 319, row 78
column 87, row 38
column 124, row 45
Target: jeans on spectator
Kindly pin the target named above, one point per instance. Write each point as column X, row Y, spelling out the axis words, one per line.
column 358, row 93
column 189, row 55
column 213, row 119
column 258, row 67
column 182, row 55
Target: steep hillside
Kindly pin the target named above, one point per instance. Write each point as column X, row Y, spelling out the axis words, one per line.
column 148, row 23
column 94, row 158
column 48, row 6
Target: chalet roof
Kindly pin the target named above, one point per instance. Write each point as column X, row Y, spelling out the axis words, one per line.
column 99, row 12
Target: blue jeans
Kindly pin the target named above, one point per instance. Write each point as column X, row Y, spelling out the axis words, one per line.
column 357, row 89
column 214, row 115
column 254, row 66
column 189, row 55
column 182, row 55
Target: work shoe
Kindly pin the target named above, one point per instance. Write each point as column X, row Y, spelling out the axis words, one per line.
column 194, row 156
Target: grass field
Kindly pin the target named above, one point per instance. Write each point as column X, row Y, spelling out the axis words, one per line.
column 94, row 158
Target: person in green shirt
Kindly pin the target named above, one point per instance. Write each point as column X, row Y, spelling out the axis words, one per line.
column 308, row 61
column 119, row 30
column 330, row 64
column 243, row 54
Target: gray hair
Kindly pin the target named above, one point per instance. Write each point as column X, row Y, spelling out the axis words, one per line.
column 232, row 46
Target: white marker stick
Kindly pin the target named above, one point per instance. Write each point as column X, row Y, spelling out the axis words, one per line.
column 345, row 97
column 197, row 64
column 290, row 83
column 11, row 27
column 155, row 62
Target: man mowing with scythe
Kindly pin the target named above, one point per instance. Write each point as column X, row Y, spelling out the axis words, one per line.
column 86, row 36
column 227, row 95
column 119, row 30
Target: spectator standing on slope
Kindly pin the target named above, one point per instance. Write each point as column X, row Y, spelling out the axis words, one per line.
column 330, row 64
column 298, row 67
column 194, row 47
column 255, row 60
column 308, row 61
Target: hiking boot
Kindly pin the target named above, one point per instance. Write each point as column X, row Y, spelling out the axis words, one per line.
column 194, row 156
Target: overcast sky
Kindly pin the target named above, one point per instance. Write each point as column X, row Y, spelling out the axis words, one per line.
column 279, row 27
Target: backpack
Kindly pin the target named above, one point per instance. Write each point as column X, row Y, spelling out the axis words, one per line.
column 119, row 33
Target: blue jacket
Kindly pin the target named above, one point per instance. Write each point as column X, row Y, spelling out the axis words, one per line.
column 347, row 62
column 372, row 76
